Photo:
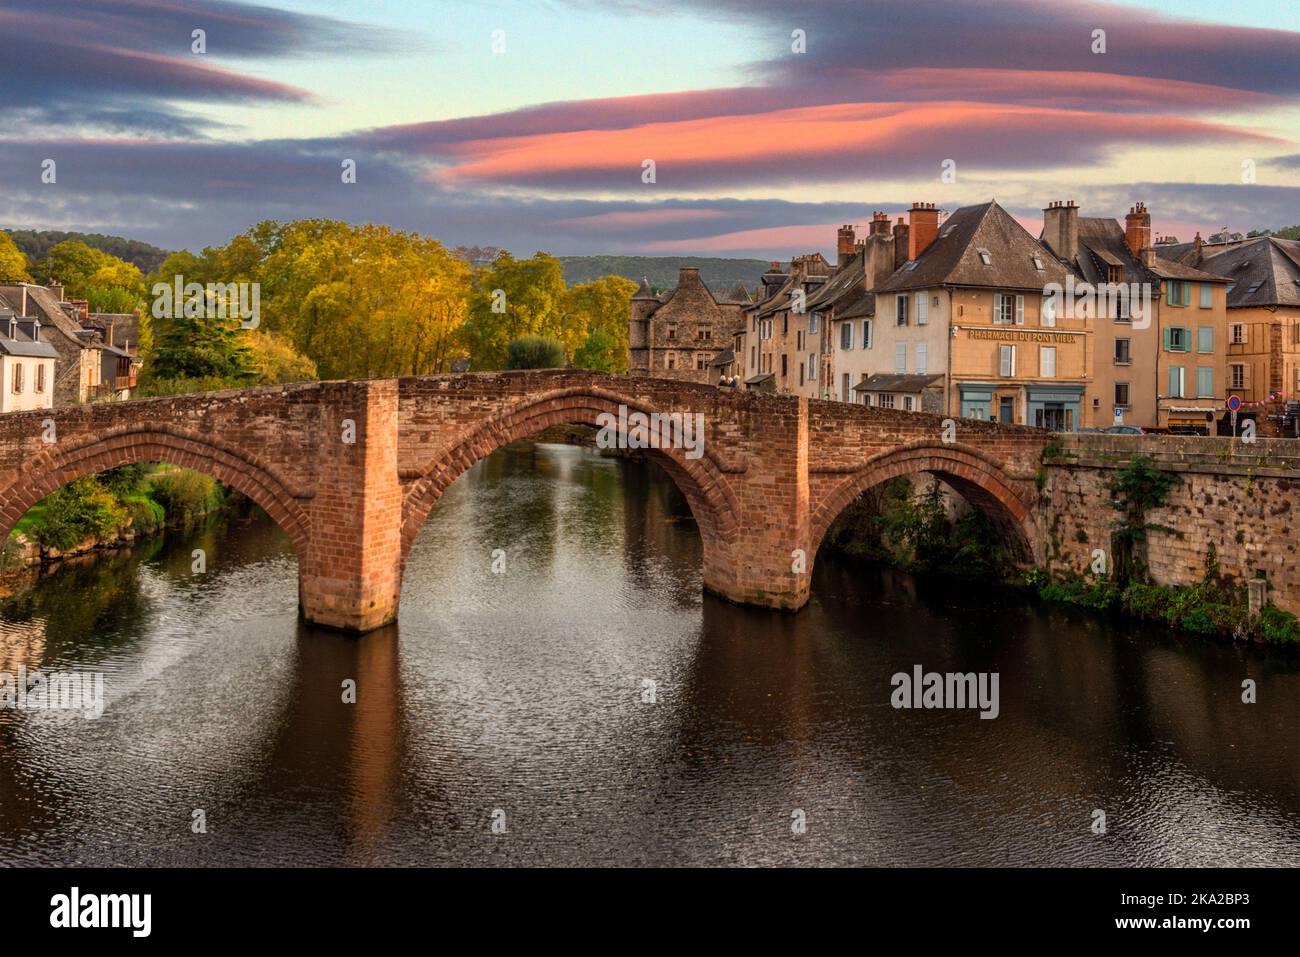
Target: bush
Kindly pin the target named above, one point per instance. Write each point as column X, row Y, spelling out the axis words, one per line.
column 146, row 515
column 186, row 496
column 1277, row 625
column 535, row 352
column 76, row 512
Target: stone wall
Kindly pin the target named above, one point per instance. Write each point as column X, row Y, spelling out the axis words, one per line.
column 1241, row 498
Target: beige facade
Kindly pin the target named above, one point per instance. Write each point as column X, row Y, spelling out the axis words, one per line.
column 1193, row 362
column 28, row 383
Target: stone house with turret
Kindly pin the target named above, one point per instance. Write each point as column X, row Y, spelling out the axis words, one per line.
column 678, row 335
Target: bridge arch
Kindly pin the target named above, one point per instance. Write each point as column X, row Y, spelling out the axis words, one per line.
column 701, row 480
column 47, row 472
column 976, row 477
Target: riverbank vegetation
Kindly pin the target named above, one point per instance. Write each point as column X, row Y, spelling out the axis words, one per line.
column 113, row 507
column 920, row 530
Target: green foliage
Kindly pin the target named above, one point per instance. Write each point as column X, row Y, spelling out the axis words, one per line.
column 36, row 243
column 125, row 480
column 1136, row 489
column 186, row 496
column 1276, row 625
column 109, row 283
column 721, row 275
column 146, row 515
column 535, row 352
column 76, row 512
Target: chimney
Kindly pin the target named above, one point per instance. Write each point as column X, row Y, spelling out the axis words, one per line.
column 688, row 274
column 56, row 286
column 922, row 228
column 844, row 244
column 1061, row 229
column 879, row 224
column 1137, row 229
column 900, row 243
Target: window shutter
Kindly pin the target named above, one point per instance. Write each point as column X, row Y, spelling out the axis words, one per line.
column 1169, row 293
column 922, row 308
column 1047, row 362
column 1245, row 333
column 1187, row 293
column 1207, row 295
column 1174, row 376
column 1007, row 360
column 868, row 340
column 900, row 358
column 922, row 351
column 1245, row 369
column 1020, row 310
column 1168, row 337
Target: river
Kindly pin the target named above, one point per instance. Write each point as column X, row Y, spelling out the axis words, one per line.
column 506, row 718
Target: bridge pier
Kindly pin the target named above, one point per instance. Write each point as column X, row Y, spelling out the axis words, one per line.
column 351, row 575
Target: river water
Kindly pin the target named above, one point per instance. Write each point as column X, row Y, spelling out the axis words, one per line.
column 505, row 721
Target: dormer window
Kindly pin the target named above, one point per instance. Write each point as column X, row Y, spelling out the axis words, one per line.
column 985, row 258
column 1038, row 262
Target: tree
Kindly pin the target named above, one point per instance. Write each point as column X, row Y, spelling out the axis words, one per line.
column 273, row 360
column 13, row 263
column 535, row 352
column 108, row 283
column 601, row 307
column 1135, row 489
column 514, row 298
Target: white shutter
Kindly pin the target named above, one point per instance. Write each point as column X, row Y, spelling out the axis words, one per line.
column 922, row 350
column 1049, row 311
column 900, row 358
column 922, row 308
column 1047, row 362
column 1020, row 310
column 1007, row 361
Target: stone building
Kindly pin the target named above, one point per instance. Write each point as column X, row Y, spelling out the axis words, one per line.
column 969, row 304
column 79, row 369
column 26, row 365
column 1262, row 362
column 783, row 332
column 678, row 335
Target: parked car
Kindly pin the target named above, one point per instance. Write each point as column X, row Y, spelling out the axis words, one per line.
column 1122, row 430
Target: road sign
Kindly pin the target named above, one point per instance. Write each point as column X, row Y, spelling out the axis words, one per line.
column 1234, row 403
column 1119, row 415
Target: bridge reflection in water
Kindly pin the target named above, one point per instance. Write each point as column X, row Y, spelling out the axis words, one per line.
column 522, row 692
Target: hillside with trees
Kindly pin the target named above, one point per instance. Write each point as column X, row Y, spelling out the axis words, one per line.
column 720, row 275
column 36, row 243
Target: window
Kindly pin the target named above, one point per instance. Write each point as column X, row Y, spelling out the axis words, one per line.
column 1177, row 339
column 801, row 379
column 1123, row 352
column 845, row 389
column 907, row 403
column 753, row 356
column 671, row 332
column 701, row 360
column 985, row 258
column 704, row 332
column 785, row 365
column 1177, row 382
column 18, row 378
column 1238, row 333
column 922, row 308
column 846, row 336
column 886, row 400
column 900, row 310
column 1121, row 393
column 1038, row 262
column 670, row 360
column 1204, row 382
column 812, row 322
column 40, row 377
column 1237, row 374
column 900, row 358
column 868, row 333
column 798, row 340
column 1008, row 310
column 1178, row 293
column 1049, row 311
column 1007, row 360
column 785, row 323
column 922, row 358
column 812, row 366
column 1047, row 362
column 1207, row 295
column 1205, row 339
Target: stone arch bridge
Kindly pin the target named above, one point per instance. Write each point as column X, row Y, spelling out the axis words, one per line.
column 350, row 470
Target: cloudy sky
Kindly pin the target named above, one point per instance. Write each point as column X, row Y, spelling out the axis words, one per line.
column 526, row 125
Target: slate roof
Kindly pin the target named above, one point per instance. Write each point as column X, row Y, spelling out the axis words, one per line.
column 1264, row 272
column 863, row 307
column 845, row 285
column 725, row 357
column 954, row 259
column 22, row 344
column 893, row 382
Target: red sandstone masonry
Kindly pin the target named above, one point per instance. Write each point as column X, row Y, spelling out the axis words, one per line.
column 775, row 473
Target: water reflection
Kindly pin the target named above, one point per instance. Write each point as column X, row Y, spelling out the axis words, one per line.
column 521, row 694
